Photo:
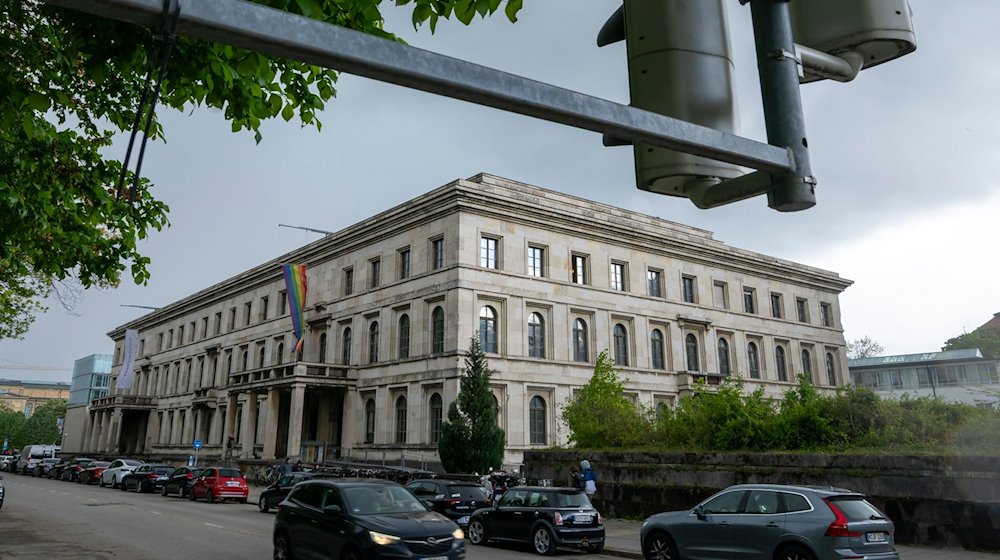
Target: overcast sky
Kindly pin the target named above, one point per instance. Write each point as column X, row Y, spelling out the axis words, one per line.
column 908, row 206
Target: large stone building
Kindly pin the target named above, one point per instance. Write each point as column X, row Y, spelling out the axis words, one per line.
column 27, row 396
column 546, row 280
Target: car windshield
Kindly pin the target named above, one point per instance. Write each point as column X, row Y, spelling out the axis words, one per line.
column 573, row 499
column 377, row 500
column 467, row 492
column 229, row 472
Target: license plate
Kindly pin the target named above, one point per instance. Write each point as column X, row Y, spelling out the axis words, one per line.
column 463, row 520
column 232, row 484
column 436, row 558
column 584, row 518
column 875, row 537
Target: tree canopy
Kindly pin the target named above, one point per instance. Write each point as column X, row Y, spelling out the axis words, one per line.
column 986, row 339
column 863, row 347
column 471, row 441
column 70, row 82
column 600, row 414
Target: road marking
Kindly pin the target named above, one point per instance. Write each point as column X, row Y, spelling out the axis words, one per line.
column 214, row 525
column 155, row 512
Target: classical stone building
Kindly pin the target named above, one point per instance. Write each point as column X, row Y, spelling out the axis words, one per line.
column 546, row 280
column 27, row 396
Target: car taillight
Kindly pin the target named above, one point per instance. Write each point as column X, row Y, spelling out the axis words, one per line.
column 558, row 518
column 600, row 520
column 454, row 502
column 152, row 475
column 488, row 503
column 839, row 526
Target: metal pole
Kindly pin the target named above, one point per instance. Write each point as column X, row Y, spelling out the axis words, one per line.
column 778, row 68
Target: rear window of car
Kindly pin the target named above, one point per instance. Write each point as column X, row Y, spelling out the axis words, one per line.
column 163, row 470
column 856, row 508
column 100, row 464
column 572, row 499
column 229, row 472
column 467, row 492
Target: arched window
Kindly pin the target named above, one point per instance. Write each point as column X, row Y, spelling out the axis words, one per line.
column 345, row 351
column 436, row 413
column 657, row 346
column 807, row 363
column 536, row 336
column 279, row 354
column 621, row 345
column 536, row 420
column 373, row 343
column 488, row 330
column 229, row 365
column 437, row 328
column 580, row 351
column 370, row 421
column 691, row 350
column 244, row 360
column 404, row 336
column 779, row 363
column 322, row 348
column 724, row 357
column 401, row 419
column 831, row 370
column 496, row 410
column 260, row 356
column 754, row 360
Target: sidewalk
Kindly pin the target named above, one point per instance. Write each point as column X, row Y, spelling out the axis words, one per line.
column 622, row 539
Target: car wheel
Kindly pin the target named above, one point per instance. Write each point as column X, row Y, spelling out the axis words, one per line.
column 163, row 491
column 114, row 482
column 190, row 495
column 209, row 497
column 123, row 486
column 141, row 487
column 477, row 532
column 350, row 553
column 796, row 552
column 543, row 541
column 282, row 548
column 262, row 505
column 659, row 546
column 101, row 483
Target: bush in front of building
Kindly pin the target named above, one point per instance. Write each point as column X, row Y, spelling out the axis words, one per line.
column 600, row 414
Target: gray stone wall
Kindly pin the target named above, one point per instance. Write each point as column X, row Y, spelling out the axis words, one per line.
column 933, row 500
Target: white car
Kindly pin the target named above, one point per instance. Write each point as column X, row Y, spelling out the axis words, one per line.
column 117, row 470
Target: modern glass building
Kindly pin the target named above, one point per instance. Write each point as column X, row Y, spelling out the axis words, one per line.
column 956, row 375
column 90, row 379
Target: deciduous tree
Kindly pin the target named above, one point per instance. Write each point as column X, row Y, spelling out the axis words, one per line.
column 863, row 347
column 601, row 415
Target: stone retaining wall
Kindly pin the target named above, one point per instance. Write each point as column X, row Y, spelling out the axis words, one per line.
column 933, row 500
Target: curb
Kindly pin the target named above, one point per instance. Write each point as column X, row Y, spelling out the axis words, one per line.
column 622, row 553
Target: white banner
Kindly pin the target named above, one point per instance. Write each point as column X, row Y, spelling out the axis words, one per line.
column 127, row 373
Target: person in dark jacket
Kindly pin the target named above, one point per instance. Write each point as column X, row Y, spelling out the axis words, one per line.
column 575, row 477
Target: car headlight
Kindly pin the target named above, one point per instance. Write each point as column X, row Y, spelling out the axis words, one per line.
column 459, row 534
column 382, row 538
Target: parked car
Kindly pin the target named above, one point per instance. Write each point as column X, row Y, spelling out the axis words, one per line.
column 42, row 468
column 1, row 492
column 116, row 470
column 219, row 483
column 57, row 469
column 278, row 490
column 31, row 455
column 454, row 499
column 178, row 481
column 73, row 469
column 146, row 478
column 92, row 472
column 6, row 462
column 773, row 522
column 363, row 520
column 546, row 517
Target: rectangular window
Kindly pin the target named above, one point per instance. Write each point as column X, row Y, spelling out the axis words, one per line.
column 749, row 300
column 579, row 269
column 218, row 322
column 488, row 252
column 721, row 294
column 170, row 339
column 142, row 347
column 536, row 262
column 180, row 335
column 282, row 302
column 191, row 329
column 802, row 306
column 826, row 314
column 232, row 319
column 654, row 281
column 247, row 307
column 263, row 308
column 375, row 268
column 348, row 281
column 404, row 263
column 618, row 276
column 776, row 306
column 688, row 288
column 204, row 327
column 437, row 253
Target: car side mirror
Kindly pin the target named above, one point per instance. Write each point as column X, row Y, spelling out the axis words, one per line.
column 333, row 510
column 700, row 513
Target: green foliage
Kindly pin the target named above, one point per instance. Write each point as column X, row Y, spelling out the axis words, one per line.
column 718, row 418
column 601, row 415
column 987, row 340
column 41, row 427
column 70, row 82
column 471, row 441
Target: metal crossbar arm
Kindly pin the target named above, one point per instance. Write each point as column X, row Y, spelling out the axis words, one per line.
column 286, row 35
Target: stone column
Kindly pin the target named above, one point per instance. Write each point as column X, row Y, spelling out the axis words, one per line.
column 352, row 410
column 229, row 423
column 215, row 427
column 271, row 423
column 249, row 423
column 295, row 412
column 88, row 432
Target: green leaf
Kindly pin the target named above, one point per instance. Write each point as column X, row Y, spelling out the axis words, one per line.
column 513, row 7
column 39, row 102
column 288, row 112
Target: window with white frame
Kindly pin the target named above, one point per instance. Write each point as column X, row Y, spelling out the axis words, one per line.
column 724, row 367
column 657, row 347
column 404, row 263
column 537, row 421
column 691, row 352
column 581, row 351
column 437, row 330
column 579, row 272
column 618, row 276
column 488, row 330
column 536, row 335
column 401, row 412
column 720, row 292
column 488, row 252
column 620, row 336
column 689, row 288
column 404, row 336
column 536, row 261
column 373, row 342
column 436, row 409
column 654, row 283
column 753, row 359
column 780, row 364
column 749, row 300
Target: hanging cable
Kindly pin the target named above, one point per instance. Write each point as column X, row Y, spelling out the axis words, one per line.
column 165, row 39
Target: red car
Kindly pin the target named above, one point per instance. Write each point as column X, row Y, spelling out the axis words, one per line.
column 219, row 483
column 92, row 473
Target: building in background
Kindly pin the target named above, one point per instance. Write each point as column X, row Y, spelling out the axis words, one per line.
column 91, row 377
column 955, row 375
column 27, row 396
column 546, row 281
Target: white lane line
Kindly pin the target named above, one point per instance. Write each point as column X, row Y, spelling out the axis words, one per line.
column 155, row 512
column 214, row 525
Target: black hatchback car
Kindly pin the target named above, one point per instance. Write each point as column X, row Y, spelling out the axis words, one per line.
column 454, row 499
column 179, row 481
column 546, row 517
column 352, row 519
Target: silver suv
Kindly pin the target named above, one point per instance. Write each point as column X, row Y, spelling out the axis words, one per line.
column 772, row 522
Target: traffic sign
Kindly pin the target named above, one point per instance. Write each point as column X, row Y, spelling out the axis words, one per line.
column 197, row 444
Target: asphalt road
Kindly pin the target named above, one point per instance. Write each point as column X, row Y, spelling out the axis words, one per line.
column 55, row 520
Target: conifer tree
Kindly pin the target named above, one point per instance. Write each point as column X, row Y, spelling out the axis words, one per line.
column 471, row 441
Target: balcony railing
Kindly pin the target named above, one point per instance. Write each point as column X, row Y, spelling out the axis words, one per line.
column 123, row 401
column 287, row 371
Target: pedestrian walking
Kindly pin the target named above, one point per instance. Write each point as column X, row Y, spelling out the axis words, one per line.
column 286, row 468
column 589, row 478
column 575, row 477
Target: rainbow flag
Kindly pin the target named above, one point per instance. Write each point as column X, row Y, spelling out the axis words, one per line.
column 295, row 282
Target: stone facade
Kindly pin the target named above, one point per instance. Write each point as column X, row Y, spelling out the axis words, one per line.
column 27, row 396
column 546, row 280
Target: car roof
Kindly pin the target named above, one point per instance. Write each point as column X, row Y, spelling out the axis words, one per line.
column 446, row 481
column 352, row 482
column 824, row 490
column 561, row 489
